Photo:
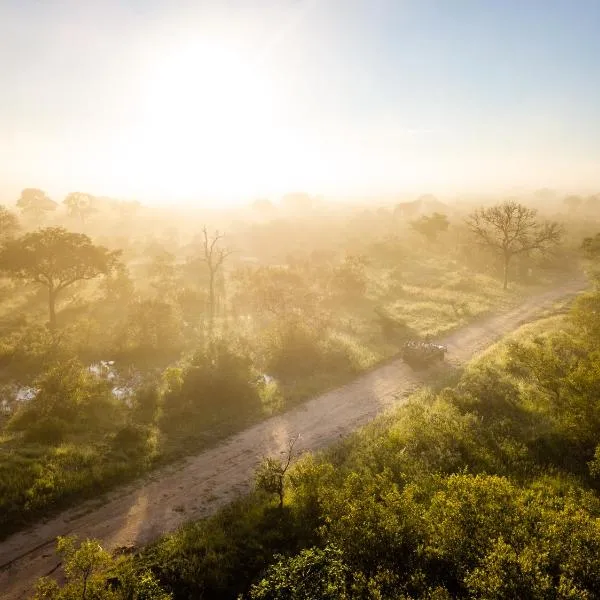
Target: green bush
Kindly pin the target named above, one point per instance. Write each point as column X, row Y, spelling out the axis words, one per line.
column 47, row 430
column 132, row 439
column 216, row 387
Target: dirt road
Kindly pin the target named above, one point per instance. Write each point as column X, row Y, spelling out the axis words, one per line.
column 137, row 514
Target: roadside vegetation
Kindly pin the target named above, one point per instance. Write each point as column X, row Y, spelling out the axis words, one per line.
column 484, row 489
column 130, row 338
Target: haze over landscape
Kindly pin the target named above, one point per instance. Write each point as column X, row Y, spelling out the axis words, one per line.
column 299, row 300
column 221, row 101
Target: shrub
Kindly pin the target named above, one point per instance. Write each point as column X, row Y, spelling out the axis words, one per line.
column 47, row 430
column 132, row 439
column 213, row 388
column 146, row 404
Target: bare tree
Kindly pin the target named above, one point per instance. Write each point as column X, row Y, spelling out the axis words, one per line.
column 271, row 474
column 214, row 256
column 510, row 229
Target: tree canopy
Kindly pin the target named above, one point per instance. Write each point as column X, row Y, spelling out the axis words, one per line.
column 55, row 258
column 9, row 224
column 431, row 226
column 510, row 229
column 79, row 205
column 35, row 202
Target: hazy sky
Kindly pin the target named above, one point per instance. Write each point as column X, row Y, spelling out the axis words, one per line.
column 187, row 99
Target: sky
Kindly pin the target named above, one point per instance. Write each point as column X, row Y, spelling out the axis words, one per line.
column 213, row 101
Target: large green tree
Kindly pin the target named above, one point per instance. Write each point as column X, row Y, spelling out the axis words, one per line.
column 510, row 229
column 55, row 258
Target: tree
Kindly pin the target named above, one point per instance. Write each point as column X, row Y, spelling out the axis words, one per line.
column 510, row 229
column 9, row 225
column 151, row 326
column 271, row 474
column 431, row 226
column 56, row 258
column 118, row 287
column 83, row 563
column 79, row 205
column 36, row 203
column 350, row 277
column 274, row 290
column 214, row 256
column 162, row 273
column 92, row 573
column 591, row 247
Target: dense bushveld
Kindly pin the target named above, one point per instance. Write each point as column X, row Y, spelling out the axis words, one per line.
column 208, row 334
column 485, row 489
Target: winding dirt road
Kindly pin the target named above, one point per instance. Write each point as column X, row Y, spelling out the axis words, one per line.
column 136, row 514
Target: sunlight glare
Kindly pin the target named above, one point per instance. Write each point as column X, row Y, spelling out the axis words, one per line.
column 208, row 113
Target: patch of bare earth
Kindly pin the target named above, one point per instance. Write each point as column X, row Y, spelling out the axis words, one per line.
column 137, row 514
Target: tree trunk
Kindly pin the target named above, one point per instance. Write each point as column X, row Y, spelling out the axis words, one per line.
column 506, row 262
column 52, row 307
column 211, row 305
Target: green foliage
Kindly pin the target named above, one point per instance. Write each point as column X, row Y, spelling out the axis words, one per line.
column 83, row 564
column 350, row 277
column 66, row 392
column 133, row 440
column 151, row 326
column 147, row 403
column 314, row 573
column 270, row 477
column 302, row 312
column 91, row 573
column 35, row 203
column 594, row 464
column 118, row 286
column 214, row 390
column 449, row 497
column 162, row 274
column 292, row 348
column 9, row 225
column 431, row 226
column 591, row 247
column 27, row 352
column 274, row 291
column 48, row 430
column 56, row 259
column 80, row 205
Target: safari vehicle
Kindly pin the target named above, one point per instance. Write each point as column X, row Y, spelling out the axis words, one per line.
column 421, row 354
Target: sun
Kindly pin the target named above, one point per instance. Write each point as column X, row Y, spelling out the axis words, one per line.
column 209, row 121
